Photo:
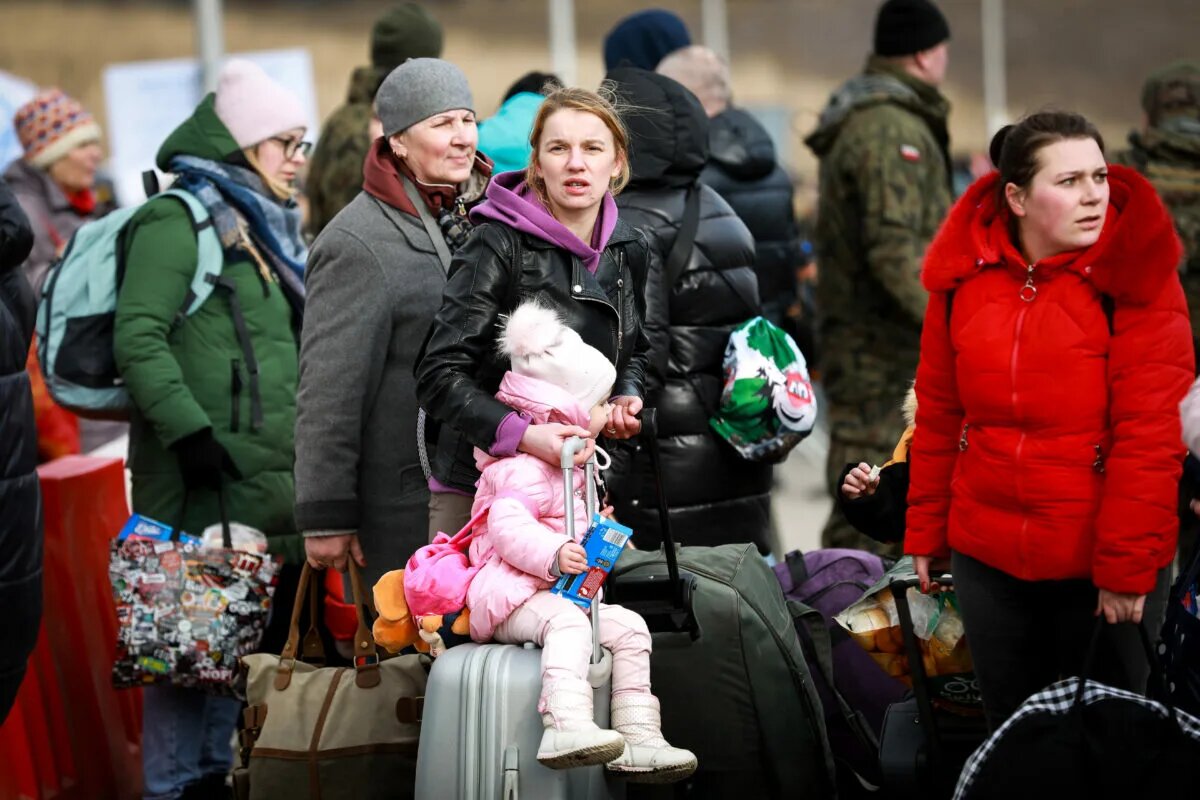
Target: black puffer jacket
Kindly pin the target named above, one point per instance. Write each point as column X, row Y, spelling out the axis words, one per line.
column 461, row 369
column 714, row 495
column 20, row 506
column 743, row 170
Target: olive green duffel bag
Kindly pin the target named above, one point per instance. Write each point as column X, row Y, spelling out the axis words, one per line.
column 330, row 733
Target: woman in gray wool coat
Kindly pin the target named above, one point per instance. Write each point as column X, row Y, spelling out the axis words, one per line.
column 375, row 277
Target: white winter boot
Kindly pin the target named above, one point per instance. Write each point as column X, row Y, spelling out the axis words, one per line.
column 572, row 738
column 647, row 757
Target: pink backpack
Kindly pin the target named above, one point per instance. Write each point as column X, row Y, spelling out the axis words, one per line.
column 437, row 576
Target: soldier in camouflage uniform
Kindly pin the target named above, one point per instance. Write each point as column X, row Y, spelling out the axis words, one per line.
column 335, row 171
column 884, row 189
column 1167, row 151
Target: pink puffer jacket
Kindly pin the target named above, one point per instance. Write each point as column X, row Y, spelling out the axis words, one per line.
column 526, row 525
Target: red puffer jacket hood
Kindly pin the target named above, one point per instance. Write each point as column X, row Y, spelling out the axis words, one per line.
column 1137, row 230
column 1048, row 440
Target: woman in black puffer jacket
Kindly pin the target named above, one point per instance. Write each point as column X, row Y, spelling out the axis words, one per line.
column 20, row 518
column 715, row 496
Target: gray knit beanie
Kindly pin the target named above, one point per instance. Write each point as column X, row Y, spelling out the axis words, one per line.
column 418, row 89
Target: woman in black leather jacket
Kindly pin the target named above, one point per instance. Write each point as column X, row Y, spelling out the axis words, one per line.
column 549, row 233
column 714, row 495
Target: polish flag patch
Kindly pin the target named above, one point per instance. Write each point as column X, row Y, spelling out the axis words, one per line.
column 909, row 153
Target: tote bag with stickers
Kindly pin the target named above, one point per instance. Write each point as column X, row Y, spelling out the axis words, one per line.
column 186, row 612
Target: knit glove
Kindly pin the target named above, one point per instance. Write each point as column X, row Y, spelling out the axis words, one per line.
column 202, row 460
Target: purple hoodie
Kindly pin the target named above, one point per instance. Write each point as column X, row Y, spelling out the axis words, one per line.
column 510, row 200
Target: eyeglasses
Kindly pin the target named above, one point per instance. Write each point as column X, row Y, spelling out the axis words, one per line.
column 292, row 147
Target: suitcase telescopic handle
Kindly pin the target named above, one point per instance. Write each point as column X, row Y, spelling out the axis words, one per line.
column 649, row 436
column 567, row 462
column 916, row 664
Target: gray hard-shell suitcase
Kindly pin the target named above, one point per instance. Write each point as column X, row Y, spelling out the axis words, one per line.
column 481, row 728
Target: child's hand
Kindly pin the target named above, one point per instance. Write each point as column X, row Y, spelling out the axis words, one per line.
column 860, row 481
column 546, row 442
column 572, row 559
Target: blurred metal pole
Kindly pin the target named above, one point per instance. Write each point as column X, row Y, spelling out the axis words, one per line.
column 210, row 39
column 714, row 27
column 995, row 100
column 562, row 40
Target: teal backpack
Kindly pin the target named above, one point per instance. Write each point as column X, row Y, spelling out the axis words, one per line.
column 79, row 304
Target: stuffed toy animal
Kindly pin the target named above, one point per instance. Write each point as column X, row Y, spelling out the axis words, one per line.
column 396, row 628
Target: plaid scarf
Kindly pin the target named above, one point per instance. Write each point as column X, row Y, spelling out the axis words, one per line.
column 224, row 188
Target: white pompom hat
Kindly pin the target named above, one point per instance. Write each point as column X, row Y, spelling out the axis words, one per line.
column 538, row 345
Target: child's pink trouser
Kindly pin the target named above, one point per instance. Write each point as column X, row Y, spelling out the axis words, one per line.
column 564, row 632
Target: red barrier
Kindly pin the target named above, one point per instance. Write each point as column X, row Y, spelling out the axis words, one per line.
column 71, row 735
column 340, row 617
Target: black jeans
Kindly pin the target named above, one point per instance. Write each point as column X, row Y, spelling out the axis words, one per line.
column 1025, row 635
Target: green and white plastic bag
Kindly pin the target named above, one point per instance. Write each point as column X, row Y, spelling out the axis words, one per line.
column 767, row 405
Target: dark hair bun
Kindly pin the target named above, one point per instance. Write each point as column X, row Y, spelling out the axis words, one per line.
column 997, row 145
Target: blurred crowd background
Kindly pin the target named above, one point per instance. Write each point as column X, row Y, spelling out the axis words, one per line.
column 786, row 55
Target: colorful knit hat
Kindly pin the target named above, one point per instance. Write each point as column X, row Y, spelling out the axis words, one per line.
column 51, row 125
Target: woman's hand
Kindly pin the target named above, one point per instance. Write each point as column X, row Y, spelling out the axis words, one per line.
column 624, row 424
column 926, row 565
column 572, row 559
column 859, row 482
column 546, row 442
column 1120, row 607
column 332, row 551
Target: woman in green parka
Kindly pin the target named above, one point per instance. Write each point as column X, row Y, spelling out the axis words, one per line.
column 215, row 391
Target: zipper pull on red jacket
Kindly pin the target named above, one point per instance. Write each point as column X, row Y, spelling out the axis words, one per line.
column 1029, row 291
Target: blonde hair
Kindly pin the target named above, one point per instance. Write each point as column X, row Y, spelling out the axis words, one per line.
column 703, row 72
column 601, row 104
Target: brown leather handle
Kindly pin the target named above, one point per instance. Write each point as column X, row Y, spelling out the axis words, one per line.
column 366, row 657
column 287, row 658
column 293, row 640
column 312, row 639
column 312, row 650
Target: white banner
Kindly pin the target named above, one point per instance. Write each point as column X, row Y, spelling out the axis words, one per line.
column 14, row 93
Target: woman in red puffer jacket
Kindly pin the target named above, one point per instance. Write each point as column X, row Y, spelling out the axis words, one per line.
column 1055, row 352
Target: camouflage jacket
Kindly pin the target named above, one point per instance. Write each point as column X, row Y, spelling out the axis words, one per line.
column 1171, row 161
column 884, row 189
column 335, row 171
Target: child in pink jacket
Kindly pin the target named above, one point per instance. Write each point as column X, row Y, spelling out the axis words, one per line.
column 523, row 548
